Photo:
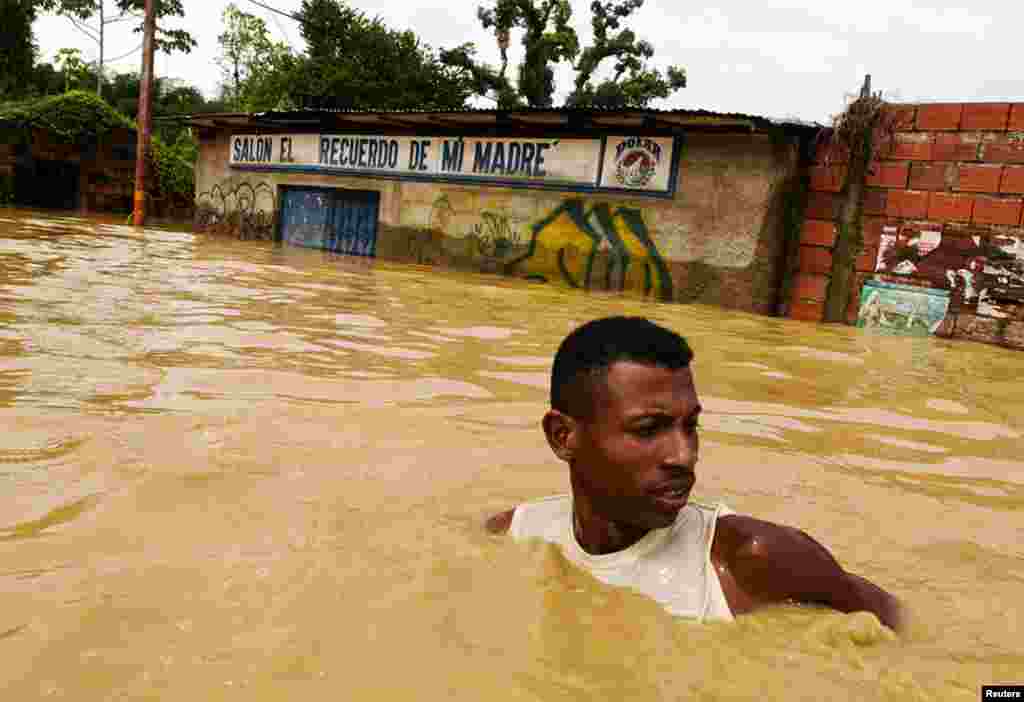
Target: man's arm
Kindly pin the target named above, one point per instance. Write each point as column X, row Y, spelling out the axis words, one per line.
column 761, row 563
column 500, row 523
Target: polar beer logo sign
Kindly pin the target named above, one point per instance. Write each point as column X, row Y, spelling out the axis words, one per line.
column 636, row 161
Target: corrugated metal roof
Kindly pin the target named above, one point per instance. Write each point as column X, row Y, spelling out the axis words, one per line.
column 524, row 115
column 688, row 112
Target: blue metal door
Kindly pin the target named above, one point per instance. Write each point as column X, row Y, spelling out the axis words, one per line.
column 304, row 214
column 343, row 221
column 354, row 224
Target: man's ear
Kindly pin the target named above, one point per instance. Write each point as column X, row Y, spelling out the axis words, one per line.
column 561, row 431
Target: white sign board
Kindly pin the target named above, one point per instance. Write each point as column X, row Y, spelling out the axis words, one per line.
column 637, row 163
column 629, row 163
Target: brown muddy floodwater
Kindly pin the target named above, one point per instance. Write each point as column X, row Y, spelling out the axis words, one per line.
column 235, row 471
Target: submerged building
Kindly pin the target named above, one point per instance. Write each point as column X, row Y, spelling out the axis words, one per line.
column 679, row 205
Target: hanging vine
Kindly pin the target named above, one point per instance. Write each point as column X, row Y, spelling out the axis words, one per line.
column 74, row 117
column 79, row 117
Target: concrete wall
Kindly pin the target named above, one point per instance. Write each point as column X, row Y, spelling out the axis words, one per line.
column 943, row 209
column 718, row 240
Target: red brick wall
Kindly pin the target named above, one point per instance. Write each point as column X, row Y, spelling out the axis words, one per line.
column 944, row 202
column 817, row 238
column 964, row 184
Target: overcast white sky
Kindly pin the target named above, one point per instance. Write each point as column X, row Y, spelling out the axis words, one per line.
column 790, row 58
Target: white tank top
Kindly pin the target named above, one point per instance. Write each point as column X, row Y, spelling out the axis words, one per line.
column 671, row 565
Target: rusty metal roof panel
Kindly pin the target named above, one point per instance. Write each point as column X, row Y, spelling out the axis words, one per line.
column 524, row 116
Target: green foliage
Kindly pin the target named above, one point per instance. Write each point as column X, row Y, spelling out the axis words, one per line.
column 549, row 39
column 636, row 91
column 247, row 56
column 17, row 50
column 794, row 209
column 72, row 66
column 82, row 117
column 6, row 189
column 258, row 72
column 79, row 116
column 173, row 168
column 366, row 64
column 166, row 40
column 273, row 85
column 45, row 80
column 480, row 78
column 170, row 97
column 633, row 84
column 21, row 78
column 73, row 117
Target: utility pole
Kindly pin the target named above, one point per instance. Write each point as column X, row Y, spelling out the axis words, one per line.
column 145, row 115
column 99, row 60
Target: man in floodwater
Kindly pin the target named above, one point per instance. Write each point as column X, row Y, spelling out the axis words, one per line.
column 623, row 415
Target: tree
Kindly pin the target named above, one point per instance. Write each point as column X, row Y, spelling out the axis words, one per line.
column 17, row 50
column 641, row 84
column 350, row 61
column 549, row 39
column 72, row 67
column 78, row 12
column 170, row 96
column 45, row 80
column 361, row 63
column 249, row 59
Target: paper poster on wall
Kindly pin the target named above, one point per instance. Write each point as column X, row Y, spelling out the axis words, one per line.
column 886, row 243
column 901, row 309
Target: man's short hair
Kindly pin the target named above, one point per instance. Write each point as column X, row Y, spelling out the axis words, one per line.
column 586, row 354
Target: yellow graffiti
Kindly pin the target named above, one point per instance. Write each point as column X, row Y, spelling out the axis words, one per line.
column 565, row 245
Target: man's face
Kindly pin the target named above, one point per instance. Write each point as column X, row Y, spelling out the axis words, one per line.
column 635, row 456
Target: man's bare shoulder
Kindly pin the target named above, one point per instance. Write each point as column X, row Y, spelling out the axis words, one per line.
column 744, row 543
column 743, row 535
column 501, row 522
column 762, row 562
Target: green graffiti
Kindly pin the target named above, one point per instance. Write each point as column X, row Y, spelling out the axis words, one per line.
column 574, row 236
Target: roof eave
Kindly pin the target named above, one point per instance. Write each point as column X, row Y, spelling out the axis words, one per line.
column 633, row 119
